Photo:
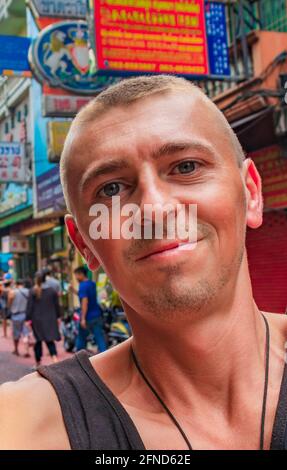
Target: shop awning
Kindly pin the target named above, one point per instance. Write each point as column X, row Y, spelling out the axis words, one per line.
column 256, row 130
column 38, row 226
column 249, row 118
column 17, row 217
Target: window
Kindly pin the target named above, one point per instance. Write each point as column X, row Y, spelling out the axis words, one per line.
column 58, row 238
column 274, row 15
column 52, row 242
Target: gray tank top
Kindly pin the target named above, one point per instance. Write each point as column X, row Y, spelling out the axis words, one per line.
column 96, row 420
column 19, row 304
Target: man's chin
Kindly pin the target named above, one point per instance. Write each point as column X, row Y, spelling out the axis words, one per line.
column 178, row 296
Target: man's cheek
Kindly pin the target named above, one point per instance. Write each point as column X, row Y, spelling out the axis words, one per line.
column 108, row 253
column 223, row 204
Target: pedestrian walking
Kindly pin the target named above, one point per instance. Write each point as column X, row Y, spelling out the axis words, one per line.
column 91, row 320
column 2, row 310
column 17, row 304
column 52, row 281
column 5, row 313
column 43, row 311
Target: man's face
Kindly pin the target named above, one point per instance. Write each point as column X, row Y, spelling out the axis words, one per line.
column 165, row 149
column 79, row 277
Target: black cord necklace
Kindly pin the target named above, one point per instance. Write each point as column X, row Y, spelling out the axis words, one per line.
column 264, row 402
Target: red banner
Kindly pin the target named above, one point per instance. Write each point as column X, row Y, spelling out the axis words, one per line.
column 166, row 36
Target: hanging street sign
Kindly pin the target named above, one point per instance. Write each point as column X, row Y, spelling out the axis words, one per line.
column 14, row 54
column 60, row 56
column 75, row 9
column 149, row 36
column 12, row 162
column 63, row 105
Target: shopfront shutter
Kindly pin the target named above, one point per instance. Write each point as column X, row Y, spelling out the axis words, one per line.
column 267, row 255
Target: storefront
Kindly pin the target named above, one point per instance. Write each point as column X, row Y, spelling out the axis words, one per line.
column 267, row 246
column 15, row 207
column 267, row 255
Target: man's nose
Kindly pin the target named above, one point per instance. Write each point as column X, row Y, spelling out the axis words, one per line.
column 155, row 196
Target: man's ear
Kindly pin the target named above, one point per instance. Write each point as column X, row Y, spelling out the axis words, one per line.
column 80, row 244
column 254, row 215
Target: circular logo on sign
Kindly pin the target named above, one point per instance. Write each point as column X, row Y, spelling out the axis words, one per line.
column 61, row 56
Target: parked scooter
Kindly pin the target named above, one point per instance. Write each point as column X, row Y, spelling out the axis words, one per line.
column 116, row 328
column 70, row 325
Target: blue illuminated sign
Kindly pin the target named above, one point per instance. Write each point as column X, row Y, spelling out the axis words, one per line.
column 216, row 31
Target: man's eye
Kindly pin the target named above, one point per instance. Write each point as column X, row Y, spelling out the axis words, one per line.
column 110, row 189
column 187, row 166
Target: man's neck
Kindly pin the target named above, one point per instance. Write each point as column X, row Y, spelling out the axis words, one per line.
column 214, row 358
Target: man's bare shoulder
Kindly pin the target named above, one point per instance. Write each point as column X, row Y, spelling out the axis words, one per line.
column 30, row 415
column 114, row 366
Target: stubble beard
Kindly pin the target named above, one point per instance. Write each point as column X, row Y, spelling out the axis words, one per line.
column 177, row 298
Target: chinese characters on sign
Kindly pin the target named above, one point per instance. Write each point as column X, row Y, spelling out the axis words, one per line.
column 15, row 244
column 12, row 166
column 151, row 36
column 63, row 106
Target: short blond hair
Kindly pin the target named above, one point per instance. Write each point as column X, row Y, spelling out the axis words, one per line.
column 125, row 93
column 130, row 90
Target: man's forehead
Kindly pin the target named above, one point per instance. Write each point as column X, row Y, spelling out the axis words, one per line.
column 153, row 117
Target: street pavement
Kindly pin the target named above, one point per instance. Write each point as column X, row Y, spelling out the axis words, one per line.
column 13, row 367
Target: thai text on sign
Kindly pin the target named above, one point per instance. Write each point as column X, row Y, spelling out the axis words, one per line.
column 151, row 36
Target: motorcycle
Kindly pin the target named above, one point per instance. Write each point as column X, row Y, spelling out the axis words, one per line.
column 116, row 326
column 116, row 329
column 69, row 330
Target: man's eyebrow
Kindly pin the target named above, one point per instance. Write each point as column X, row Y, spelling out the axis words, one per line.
column 169, row 148
column 180, row 146
column 108, row 166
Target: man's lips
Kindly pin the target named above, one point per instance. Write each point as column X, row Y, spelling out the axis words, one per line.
column 184, row 245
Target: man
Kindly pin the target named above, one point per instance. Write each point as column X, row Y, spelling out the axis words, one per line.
column 3, row 302
column 198, row 337
column 5, row 289
column 17, row 304
column 91, row 320
column 51, row 281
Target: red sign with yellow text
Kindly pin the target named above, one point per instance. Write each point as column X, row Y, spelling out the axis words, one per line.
column 159, row 36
